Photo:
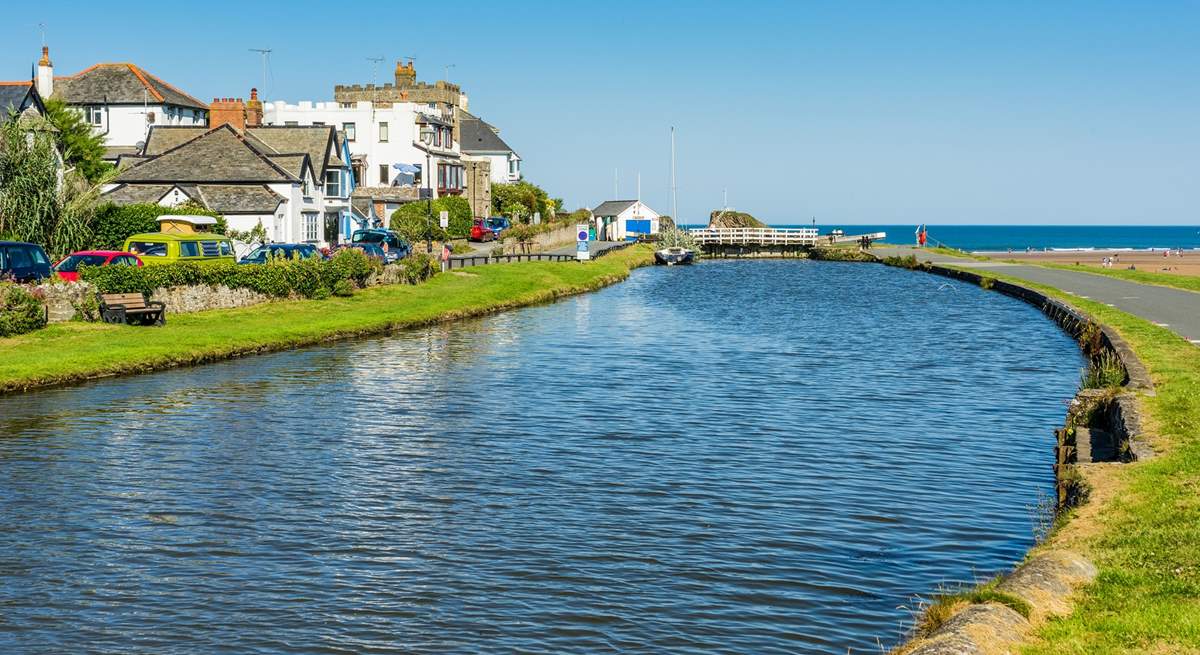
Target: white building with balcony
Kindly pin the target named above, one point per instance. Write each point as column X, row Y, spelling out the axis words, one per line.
column 384, row 138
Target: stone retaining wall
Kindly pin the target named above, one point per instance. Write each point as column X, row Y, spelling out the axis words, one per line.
column 1101, row 425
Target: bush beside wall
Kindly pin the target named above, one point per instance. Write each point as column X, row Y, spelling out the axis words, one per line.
column 20, row 310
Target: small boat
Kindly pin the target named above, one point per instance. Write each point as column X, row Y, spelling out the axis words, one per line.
column 672, row 256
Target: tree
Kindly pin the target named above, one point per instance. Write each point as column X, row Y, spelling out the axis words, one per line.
column 38, row 201
column 521, row 199
column 81, row 148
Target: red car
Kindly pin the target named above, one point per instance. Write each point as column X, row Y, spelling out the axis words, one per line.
column 481, row 232
column 68, row 269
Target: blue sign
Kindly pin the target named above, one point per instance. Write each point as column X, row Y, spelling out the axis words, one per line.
column 582, row 246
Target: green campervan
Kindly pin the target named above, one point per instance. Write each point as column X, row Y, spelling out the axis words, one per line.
column 182, row 239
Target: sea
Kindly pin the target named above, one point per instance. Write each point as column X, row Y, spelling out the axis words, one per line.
column 1001, row 238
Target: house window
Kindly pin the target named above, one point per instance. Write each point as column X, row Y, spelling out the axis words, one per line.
column 311, row 226
column 513, row 166
column 350, row 131
column 383, row 174
column 333, row 184
column 95, row 115
column 383, row 132
column 437, row 138
column 346, row 105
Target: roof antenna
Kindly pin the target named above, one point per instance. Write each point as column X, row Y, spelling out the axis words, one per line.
column 266, row 55
column 42, row 29
column 375, row 61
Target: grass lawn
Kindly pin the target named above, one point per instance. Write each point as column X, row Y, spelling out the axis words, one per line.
column 1143, row 528
column 69, row 352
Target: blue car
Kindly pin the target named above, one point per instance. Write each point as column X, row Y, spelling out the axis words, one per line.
column 498, row 224
column 23, row 262
column 397, row 248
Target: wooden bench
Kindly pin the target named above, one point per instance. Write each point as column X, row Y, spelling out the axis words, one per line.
column 131, row 308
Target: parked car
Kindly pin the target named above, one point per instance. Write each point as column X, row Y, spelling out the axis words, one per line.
column 286, row 250
column 498, row 224
column 397, row 247
column 481, row 232
column 68, row 268
column 165, row 248
column 23, row 262
column 372, row 250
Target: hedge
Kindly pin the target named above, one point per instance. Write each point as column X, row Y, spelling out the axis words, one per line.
column 20, row 310
column 280, row 278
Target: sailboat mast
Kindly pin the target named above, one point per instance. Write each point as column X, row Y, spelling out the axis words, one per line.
column 674, row 202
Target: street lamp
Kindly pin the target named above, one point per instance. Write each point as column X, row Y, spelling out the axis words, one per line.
column 427, row 139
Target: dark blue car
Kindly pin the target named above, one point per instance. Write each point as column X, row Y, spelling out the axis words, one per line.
column 23, row 262
column 397, row 248
column 286, row 250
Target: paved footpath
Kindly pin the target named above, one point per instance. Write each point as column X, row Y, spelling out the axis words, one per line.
column 1175, row 309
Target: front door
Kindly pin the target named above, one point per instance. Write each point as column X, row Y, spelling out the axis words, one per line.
column 331, row 227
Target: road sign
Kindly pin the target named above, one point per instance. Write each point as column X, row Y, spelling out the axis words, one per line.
column 444, row 219
column 582, row 253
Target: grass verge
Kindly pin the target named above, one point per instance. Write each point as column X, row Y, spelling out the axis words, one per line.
column 1176, row 281
column 1145, row 534
column 71, row 352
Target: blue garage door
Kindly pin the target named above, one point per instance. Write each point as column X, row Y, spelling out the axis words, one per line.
column 637, row 227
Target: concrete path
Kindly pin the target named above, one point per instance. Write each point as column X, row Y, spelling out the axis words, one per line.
column 594, row 247
column 1176, row 309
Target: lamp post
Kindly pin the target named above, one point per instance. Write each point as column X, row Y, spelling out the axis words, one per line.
column 427, row 139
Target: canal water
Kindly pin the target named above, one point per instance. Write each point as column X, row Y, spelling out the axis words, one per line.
column 737, row 457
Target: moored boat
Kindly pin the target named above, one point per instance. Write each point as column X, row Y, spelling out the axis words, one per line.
column 674, row 255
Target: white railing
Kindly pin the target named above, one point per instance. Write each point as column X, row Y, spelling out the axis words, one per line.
column 756, row 236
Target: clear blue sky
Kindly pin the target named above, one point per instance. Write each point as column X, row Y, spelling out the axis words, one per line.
column 855, row 112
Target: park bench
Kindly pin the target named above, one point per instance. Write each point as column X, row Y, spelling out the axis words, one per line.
column 131, row 308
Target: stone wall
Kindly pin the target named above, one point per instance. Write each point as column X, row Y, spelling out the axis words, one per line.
column 545, row 240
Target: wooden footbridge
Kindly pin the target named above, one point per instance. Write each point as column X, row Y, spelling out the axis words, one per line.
column 768, row 241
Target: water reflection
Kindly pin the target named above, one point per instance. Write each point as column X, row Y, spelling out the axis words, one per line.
column 740, row 457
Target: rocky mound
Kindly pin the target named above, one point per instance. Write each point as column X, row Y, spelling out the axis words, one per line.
column 730, row 218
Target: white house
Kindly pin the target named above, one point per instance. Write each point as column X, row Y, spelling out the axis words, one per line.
column 618, row 220
column 237, row 174
column 385, row 139
column 481, row 140
column 121, row 101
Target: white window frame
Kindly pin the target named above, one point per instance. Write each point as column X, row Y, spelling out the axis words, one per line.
column 383, row 132
column 312, row 225
column 333, row 184
column 351, row 131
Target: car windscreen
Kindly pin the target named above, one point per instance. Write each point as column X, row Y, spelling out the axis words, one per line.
column 148, row 248
column 72, row 263
column 363, row 236
column 24, row 256
column 495, row 223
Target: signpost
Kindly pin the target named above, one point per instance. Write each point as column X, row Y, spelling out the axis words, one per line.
column 581, row 243
column 444, row 219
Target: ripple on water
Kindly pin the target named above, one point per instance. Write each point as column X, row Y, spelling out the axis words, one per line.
column 767, row 457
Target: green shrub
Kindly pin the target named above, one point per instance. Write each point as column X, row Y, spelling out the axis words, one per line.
column 419, row 267
column 278, row 277
column 412, row 220
column 20, row 310
column 343, row 288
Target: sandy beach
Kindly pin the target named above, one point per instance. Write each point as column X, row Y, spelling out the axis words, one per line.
column 1143, row 260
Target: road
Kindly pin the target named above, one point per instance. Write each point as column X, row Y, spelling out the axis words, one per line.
column 594, row 247
column 1175, row 309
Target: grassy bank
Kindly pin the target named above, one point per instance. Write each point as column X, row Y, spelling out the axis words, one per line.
column 1142, row 527
column 71, row 352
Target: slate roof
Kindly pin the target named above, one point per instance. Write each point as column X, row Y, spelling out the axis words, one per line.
column 120, row 84
column 219, row 155
column 386, row 193
column 17, row 96
column 613, row 207
column 129, row 161
column 221, row 198
column 480, row 137
column 318, row 141
column 292, row 163
column 239, row 199
column 114, row 153
column 166, row 137
column 137, row 194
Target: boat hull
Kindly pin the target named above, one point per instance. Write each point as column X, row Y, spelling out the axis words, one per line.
column 669, row 257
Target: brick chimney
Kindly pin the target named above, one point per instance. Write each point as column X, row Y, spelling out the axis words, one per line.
column 227, row 111
column 254, row 110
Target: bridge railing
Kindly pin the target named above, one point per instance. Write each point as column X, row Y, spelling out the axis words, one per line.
column 755, row 236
